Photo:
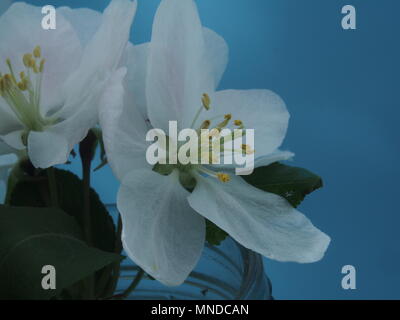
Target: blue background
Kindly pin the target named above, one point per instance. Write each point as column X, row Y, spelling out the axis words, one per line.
column 342, row 90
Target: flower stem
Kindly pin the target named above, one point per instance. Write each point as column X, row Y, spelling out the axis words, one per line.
column 86, row 202
column 117, row 249
column 87, row 149
column 131, row 287
column 52, row 187
column 87, row 221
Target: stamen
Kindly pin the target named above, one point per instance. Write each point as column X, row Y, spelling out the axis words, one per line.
column 35, row 68
column 206, row 124
column 214, row 133
column 239, row 124
column 23, row 85
column 37, row 52
column 25, row 105
column 27, row 60
column 206, row 101
column 2, row 86
column 41, row 67
column 247, row 149
column 224, row 123
column 8, row 62
column 223, row 177
column 213, row 141
column 8, row 80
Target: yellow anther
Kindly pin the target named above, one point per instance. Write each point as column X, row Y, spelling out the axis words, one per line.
column 224, row 123
column 2, row 85
column 223, row 177
column 41, row 67
column 206, row 101
column 8, row 78
column 27, row 60
column 37, row 52
column 206, row 124
column 247, row 149
column 23, row 85
column 239, row 124
column 6, row 82
column 8, row 62
column 25, row 105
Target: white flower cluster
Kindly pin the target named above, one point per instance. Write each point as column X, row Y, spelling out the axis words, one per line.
column 57, row 85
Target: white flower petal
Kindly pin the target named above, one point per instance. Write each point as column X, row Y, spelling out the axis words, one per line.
column 53, row 146
column 85, row 22
column 100, row 58
column 161, row 233
column 60, row 138
column 47, row 148
column 6, row 164
column 261, row 110
column 276, row 156
column 22, row 32
column 266, row 160
column 9, row 122
column 7, row 161
column 5, row 148
column 14, row 139
column 217, row 52
column 135, row 59
column 260, row 221
column 179, row 72
column 124, row 131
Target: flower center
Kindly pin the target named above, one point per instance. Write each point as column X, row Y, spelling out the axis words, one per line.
column 22, row 92
column 213, row 139
column 214, row 136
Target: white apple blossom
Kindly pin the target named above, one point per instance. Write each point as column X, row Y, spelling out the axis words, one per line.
column 51, row 80
column 175, row 78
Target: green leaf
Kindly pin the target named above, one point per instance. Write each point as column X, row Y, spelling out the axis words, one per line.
column 289, row 182
column 214, row 235
column 31, row 238
column 164, row 169
column 17, row 174
column 34, row 193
